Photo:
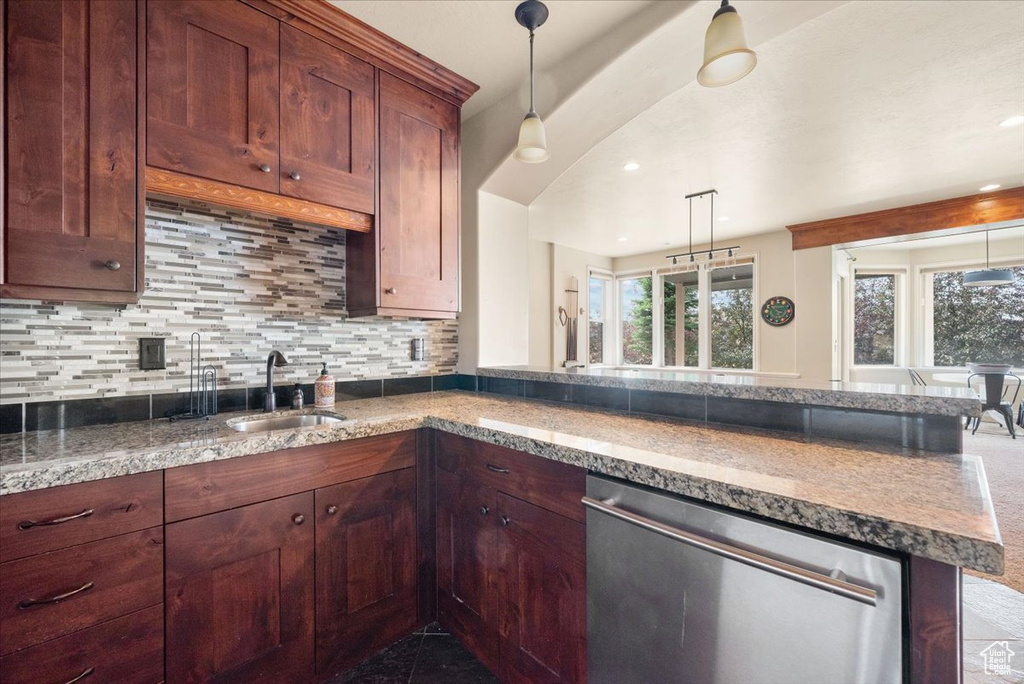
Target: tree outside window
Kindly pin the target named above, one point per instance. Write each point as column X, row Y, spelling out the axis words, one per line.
column 635, row 302
column 874, row 319
column 977, row 324
column 732, row 317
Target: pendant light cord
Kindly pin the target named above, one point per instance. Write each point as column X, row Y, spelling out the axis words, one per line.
column 532, row 110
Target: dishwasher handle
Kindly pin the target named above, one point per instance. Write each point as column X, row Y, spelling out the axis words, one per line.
column 777, row 567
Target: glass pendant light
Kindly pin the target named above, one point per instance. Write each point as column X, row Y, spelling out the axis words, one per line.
column 533, row 143
column 989, row 276
column 727, row 58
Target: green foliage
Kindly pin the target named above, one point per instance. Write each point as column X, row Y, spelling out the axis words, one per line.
column 977, row 324
column 874, row 319
column 732, row 328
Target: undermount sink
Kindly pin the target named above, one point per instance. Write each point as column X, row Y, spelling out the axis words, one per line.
column 283, row 422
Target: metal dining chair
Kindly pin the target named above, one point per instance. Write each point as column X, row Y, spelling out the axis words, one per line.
column 993, row 400
column 916, row 378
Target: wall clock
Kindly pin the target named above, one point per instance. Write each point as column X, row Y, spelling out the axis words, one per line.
column 778, row 311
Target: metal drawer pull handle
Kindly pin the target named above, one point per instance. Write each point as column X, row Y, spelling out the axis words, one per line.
column 294, row 175
column 332, row 509
column 29, row 524
column 113, row 265
column 496, row 469
column 298, row 518
column 265, row 168
column 504, row 520
column 756, row 560
column 484, row 510
column 391, row 290
column 85, row 673
column 28, row 603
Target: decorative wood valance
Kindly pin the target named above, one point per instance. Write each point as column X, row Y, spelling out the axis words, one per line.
column 959, row 212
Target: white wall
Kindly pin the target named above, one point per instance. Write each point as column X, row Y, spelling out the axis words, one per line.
column 540, row 259
column 804, row 346
column 504, row 282
column 566, row 263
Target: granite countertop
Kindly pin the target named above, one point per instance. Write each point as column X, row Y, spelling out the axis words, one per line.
column 934, row 505
column 931, row 400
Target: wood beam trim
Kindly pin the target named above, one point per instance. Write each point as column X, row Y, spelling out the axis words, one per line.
column 972, row 210
column 163, row 182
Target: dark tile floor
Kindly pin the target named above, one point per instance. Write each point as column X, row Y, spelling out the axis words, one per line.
column 430, row 656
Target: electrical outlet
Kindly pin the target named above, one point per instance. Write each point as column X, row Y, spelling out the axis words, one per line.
column 151, row 353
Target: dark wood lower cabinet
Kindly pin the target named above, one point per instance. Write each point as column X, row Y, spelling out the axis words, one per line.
column 511, row 576
column 365, row 567
column 542, row 590
column 467, row 564
column 239, row 594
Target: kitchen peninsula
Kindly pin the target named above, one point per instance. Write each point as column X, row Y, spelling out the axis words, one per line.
column 930, row 509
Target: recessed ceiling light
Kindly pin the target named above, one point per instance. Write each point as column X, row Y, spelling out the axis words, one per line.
column 631, row 166
column 723, row 218
column 1012, row 121
column 990, row 187
column 623, row 239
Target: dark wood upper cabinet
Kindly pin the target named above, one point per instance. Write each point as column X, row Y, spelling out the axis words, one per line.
column 366, row 588
column 72, row 209
column 212, row 91
column 410, row 266
column 328, row 124
column 239, row 594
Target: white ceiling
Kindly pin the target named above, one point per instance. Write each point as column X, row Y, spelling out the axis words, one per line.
column 480, row 39
column 870, row 106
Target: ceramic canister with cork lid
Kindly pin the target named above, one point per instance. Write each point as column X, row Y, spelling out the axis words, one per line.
column 324, row 390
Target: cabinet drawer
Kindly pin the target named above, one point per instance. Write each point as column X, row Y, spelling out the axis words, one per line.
column 60, row 592
column 48, row 519
column 128, row 650
column 205, row 488
column 549, row 484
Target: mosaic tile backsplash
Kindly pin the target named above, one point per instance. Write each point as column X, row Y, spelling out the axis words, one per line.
column 247, row 284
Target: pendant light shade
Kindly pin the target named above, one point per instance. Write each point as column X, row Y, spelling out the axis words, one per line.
column 533, row 142
column 727, row 58
column 988, row 277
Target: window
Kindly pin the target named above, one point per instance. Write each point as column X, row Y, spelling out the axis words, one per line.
column 598, row 311
column 681, row 304
column 974, row 324
column 636, row 310
column 732, row 316
column 874, row 319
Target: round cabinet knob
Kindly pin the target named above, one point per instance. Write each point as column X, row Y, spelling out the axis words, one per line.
column 391, row 290
column 504, row 521
column 112, row 265
column 484, row 510
column 265, row 168
column 331, row 510
column 294, row 175
column 298, row 518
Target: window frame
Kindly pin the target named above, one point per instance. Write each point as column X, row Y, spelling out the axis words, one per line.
column 608, row 319
column 900, row 356
column 703, row 269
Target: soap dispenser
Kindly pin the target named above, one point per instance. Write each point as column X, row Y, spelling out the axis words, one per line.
column 324, row 390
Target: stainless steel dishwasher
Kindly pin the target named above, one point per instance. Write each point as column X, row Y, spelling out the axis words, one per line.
column 682, row 593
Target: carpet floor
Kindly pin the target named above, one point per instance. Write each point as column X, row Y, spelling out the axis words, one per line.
column 1004, row 466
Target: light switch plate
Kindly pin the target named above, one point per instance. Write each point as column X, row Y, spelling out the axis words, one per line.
column 151, row 353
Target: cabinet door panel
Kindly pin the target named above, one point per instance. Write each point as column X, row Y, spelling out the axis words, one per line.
column 419, row 186
column 365, row 567
column 327, row 124
column 212, row 91
column 542, row 557
column 71, row 144
column 239, row 594
column 466, row 564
